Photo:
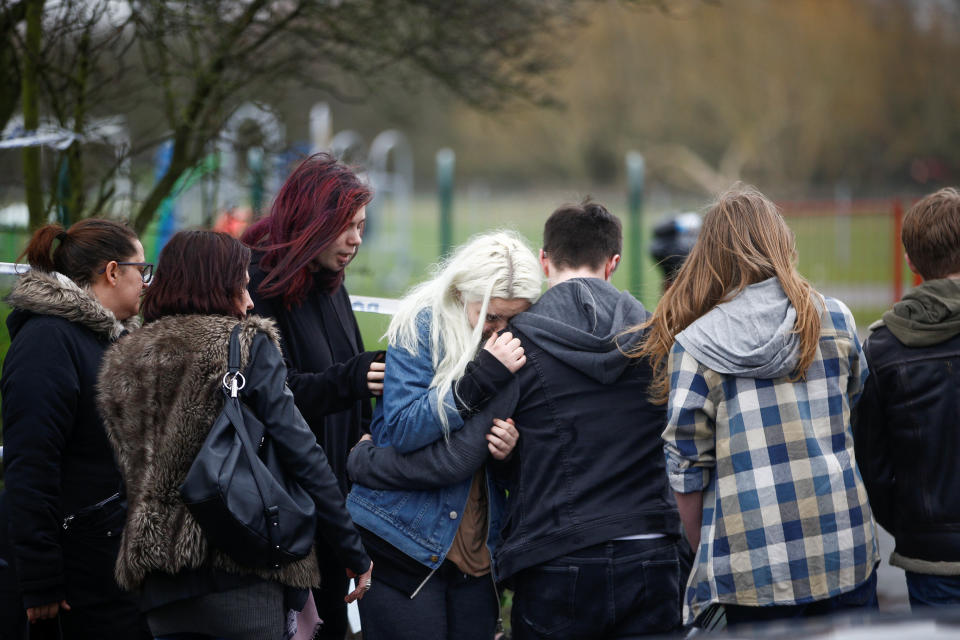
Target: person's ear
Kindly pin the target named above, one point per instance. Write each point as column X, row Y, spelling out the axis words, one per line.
column 612, row 263
column 544, row 264
column 112, row 273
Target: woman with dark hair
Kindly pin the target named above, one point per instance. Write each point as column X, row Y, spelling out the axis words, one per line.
column 64, row 507
column 159, row 395
column 300, row 253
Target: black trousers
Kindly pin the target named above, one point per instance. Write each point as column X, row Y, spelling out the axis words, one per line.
column 329, row 597
column 451, row 605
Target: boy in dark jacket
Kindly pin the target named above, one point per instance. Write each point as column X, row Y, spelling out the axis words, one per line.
column 905, row 427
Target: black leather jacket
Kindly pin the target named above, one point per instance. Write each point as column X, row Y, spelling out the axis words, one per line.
column 907, row 443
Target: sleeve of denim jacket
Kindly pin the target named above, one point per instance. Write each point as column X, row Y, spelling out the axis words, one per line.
column 439, row 464
column 690, row 436
column 411, row 407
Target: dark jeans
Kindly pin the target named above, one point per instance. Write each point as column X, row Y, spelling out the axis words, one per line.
column 618, row 589
column 450, row 606
column 329, row 597
column 863, row 597
column 932, row 591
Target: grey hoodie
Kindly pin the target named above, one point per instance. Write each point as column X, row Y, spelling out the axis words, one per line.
column 586, row 339
column 750, row 336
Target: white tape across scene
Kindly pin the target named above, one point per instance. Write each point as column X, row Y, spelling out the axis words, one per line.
column 367, row 304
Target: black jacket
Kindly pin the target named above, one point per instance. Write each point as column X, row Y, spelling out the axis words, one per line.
column 907, row 440
column 326, row 366
column 588, row 467
column 57, row 460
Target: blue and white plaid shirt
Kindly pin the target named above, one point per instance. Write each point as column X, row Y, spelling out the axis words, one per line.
column 785, row 512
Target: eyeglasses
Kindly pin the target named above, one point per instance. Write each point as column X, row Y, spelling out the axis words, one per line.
column 146, row 270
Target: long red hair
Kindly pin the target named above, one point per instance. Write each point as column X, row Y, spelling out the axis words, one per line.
column 312, row 208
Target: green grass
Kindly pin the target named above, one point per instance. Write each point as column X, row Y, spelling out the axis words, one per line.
column 855, row 250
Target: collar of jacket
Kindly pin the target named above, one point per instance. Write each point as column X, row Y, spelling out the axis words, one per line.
column 927, row 315
column 54, row 294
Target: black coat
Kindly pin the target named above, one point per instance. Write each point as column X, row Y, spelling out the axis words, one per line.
column 326, row 365
column 327, row 372
column 57, row 460
column 907, row 442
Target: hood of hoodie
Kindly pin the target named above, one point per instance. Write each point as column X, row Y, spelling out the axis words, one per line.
column 927, row 315
column 578, row 321
column 54, row 294
column 750, row 336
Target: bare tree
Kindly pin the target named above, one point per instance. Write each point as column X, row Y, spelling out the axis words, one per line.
column 189, row 65
column 207, row 58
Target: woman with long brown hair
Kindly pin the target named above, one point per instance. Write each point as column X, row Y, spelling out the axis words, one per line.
column 760, row 373
column 63, row 491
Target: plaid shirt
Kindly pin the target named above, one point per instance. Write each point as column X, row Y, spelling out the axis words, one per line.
column 785, row 513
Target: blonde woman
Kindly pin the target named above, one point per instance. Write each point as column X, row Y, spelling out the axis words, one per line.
column 760, row 373
column 435, row 546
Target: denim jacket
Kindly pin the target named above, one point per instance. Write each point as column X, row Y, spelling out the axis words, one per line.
column 421, row 524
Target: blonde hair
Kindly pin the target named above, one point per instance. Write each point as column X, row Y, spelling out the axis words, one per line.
column 497, row 264
column 744, row 240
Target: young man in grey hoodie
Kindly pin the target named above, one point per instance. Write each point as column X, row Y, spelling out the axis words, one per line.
column 905, row 427
column 590, row 540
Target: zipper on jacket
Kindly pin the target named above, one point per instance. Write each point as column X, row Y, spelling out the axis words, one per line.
column 88, row 509
column 417, row 590
column 486, row 540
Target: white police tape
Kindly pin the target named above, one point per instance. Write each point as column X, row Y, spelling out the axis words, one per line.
column 13, row 269
column 47, row 137
column 366, row 304
column 385, row 306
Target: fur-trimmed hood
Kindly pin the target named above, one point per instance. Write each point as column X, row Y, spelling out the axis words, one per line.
column 54, row 294
column 159, row 394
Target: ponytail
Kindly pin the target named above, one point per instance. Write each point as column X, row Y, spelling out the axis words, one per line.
column 39, row 252
column 80, row 251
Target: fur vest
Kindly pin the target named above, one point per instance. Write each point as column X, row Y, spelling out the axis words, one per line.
column 159, row 394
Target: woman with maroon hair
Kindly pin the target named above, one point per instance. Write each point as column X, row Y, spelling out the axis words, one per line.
column 159, row 394
column 300, row 252
column 63, row 505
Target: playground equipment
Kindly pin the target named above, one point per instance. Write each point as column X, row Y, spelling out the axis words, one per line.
column 388, row 165
column 263, row 173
